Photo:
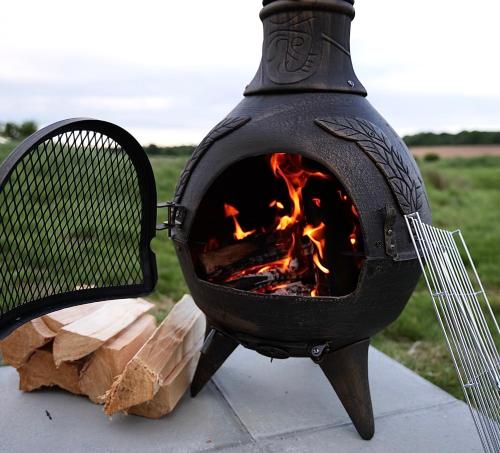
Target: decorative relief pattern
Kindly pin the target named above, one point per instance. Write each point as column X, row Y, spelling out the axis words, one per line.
column 225, row 127
column 394, row 162
column 293, row 49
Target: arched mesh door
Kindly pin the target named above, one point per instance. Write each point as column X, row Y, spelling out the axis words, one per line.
column 77, row 215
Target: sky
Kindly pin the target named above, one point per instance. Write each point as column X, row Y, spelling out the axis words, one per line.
column 168, row 71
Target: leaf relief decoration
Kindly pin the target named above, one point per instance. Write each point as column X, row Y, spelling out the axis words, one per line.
column 394, row 162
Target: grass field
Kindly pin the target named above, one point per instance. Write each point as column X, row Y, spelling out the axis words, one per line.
column 464, row 193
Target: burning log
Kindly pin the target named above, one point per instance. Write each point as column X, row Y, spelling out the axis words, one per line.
column 110, row 360
column 252, row 255
column 261, row 280
column 228, row 256
column 41, row 371
column 252, row 251
column 151, row 367
column 20, row 344
column 89, row 333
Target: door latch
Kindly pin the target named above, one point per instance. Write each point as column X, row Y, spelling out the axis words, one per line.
column 175, row 216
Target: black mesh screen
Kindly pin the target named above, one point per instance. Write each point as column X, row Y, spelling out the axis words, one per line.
column 72, row 220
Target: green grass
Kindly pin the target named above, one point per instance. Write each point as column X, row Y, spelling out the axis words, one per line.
column 464, row 193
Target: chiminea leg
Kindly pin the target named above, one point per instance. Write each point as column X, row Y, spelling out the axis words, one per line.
column 347, row 371
column 216, row 349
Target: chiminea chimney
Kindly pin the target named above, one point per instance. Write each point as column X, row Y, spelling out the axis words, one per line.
column 306, row 48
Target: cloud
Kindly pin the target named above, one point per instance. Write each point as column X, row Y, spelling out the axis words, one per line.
column 170, row 71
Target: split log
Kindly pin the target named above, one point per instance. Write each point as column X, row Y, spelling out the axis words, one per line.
column 86, row 335
column 252, row 253
column 226, row 256
column 149, row 369
column 40, row 371
column 20, row 344
column 59, row 319
column 110, row 360
column 172, row 390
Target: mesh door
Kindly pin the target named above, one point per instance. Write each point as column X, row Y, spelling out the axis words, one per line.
column 77, row 215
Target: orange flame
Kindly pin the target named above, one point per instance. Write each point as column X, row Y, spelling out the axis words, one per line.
column 289, row 168
column 305, row 259
column 238, row 234
column 317, row 237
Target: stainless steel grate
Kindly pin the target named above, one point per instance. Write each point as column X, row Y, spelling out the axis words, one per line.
column 467, row 321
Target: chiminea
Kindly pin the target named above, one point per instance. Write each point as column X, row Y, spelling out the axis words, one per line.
column 287, row 220
column 289, row 216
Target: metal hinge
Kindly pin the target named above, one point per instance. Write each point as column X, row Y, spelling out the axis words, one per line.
column 175, row 216
column 389, row 234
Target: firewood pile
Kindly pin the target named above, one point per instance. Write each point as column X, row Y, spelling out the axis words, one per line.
column 113, row 353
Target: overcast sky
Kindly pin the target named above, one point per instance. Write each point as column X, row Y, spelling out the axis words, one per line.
column 169, row 70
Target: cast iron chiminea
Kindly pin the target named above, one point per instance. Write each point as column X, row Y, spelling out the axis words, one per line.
column 304, row 100
column 287, row 220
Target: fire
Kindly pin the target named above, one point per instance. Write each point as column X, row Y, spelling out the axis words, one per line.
column 291, row 171
column 289, row 168
column 317, row 237
column 303, row 265
column 238, row 234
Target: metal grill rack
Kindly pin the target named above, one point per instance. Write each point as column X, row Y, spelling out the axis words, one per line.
column 467, row 321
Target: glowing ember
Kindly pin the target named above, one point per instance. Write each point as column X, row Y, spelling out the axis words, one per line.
column 276, row 203
column 238, row 234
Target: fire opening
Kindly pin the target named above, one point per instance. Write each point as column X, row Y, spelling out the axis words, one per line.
column 278, row 224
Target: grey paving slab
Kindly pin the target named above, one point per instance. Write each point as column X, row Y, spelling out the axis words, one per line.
column 199, row 424
column 253, row 406
column 444, row 429
column 294, row 395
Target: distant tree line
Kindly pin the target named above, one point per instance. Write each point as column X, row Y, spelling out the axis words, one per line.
column 14, row 131
column 183, row 150
column 462, row 138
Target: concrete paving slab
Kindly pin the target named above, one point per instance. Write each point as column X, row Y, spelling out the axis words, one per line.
column 252, row 406
column 444, row 429
column 294, row 395
column 199, row 424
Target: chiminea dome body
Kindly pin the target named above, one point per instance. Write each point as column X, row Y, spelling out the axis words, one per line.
column 305, row 99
